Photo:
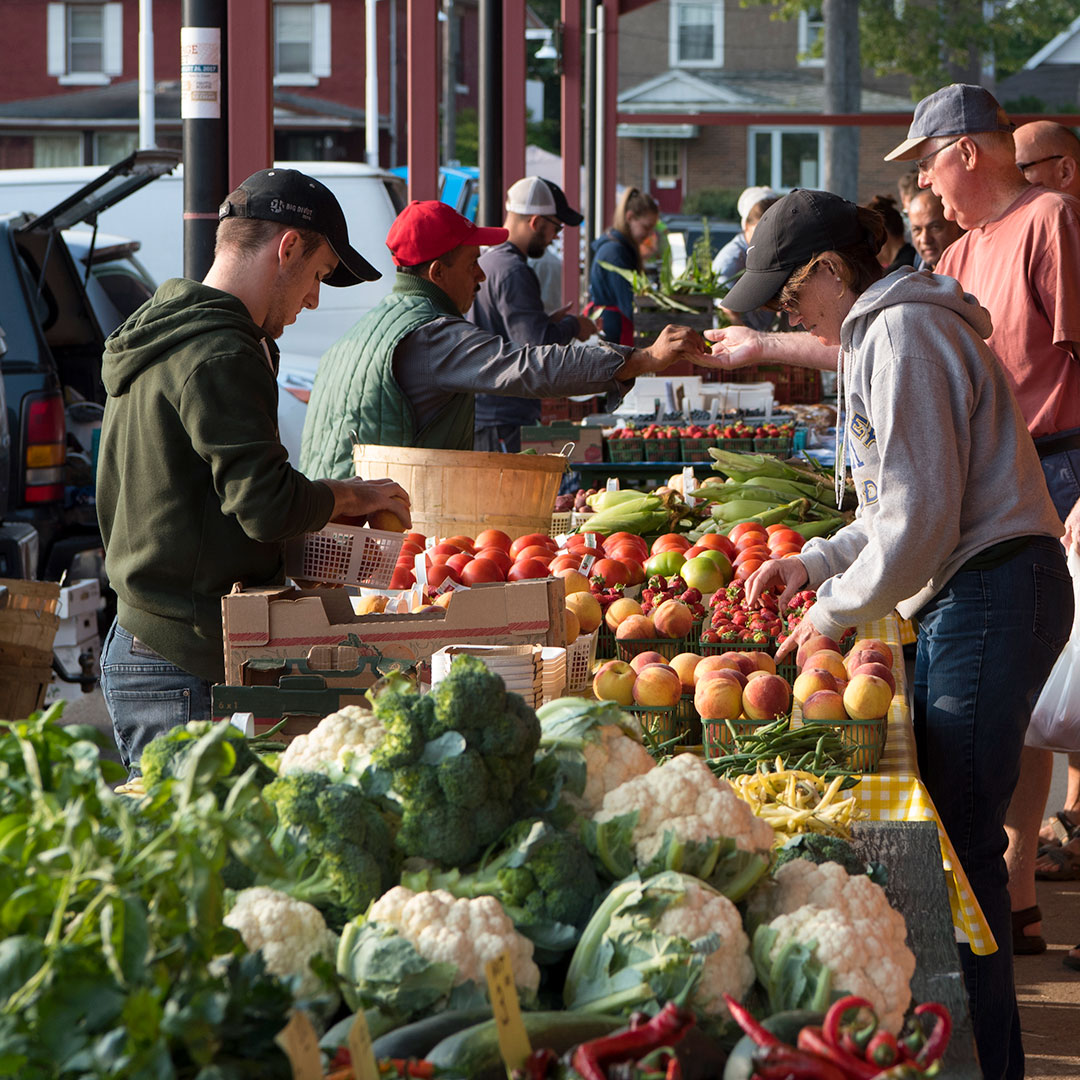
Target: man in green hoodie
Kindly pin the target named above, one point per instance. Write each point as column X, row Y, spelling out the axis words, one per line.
column 195, row 491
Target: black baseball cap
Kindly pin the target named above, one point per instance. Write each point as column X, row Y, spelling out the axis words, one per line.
column 292, row 198
column 790, row 233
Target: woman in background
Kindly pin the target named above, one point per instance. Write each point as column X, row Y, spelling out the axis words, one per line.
column 896, row 251
column 611, row 296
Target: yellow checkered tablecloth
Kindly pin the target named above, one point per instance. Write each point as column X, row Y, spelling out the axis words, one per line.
column 895, row 793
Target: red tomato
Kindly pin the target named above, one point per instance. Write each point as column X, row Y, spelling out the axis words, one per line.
column 410, row 549
column 567, row 561
column 778, row 551
column 750, row 554
column 535, row 551
column 496, row 555
column 770, row 529
column 480, row 570
column 611, row 570
column 463, row 543
column 436, row 575
column 578, row 541
column 669, row 542
column 785, row 536
column 459, row 561
column 492, row 538
column 438, row 559
column 445, row 548
column 631, row 539
column 527, row 568
column 718, row 543
column 624, row 552
column 746, row 569
column 696, row 550
column 402, row 578
column 746, row 526
column 416, row 538
column 529, row 541
column 635, row 570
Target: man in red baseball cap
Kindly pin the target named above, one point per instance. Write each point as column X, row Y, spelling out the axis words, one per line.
column 407, row 373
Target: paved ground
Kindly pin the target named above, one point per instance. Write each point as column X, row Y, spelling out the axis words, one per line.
column 1049, row 992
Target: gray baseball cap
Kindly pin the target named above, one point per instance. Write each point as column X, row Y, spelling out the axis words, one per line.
column 959, row 109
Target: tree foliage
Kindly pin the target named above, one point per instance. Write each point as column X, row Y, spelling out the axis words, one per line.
column 936, row 42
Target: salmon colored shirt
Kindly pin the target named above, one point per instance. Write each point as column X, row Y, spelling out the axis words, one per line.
column 1024, row 268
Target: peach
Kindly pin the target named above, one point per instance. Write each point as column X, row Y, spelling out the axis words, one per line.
column 685, row 664
column 764, row 661
column 619, row 610
column 857, row 657
column 830, row 661
column 734, row 674
column 756, row 674
column 587, row 608
column 614, row 681
column 726, row 662
column 718, row 698
column 880, row 670
column 657, row 685
column 867, row 697
column 643, row 658
column 744, row 661
column 573, row 627
column 766, row 697
column 825, row 707
column 635, row 628
column 672, row 619
column 874, row 643
column 810, row 681
column 573, row 580
column 814, row 643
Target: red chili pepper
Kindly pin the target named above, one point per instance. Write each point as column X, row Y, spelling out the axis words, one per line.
column 674, row 1069
column 750, row 1026
column 786, row 1063
column 538, row 1064
column 883, row 1049
column 667, row 1027
column 831, row 1026
column 813, row 1041
column 938, row 1039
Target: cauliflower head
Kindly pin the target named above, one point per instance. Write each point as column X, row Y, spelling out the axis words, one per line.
column 681, row 816
column 340, row 742
column 865, row 956
column 288, row 932
column 648, row 938
column 611, row 759
column 465, row 933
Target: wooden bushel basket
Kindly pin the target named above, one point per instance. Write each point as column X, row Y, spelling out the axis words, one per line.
column 463, row 492
column 28, row 625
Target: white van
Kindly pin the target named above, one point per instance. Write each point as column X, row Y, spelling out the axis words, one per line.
column 371, row 199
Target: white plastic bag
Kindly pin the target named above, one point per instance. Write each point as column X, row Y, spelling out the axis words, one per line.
column 1055, row 723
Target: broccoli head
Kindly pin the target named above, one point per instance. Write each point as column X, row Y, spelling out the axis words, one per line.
column 336, row 842
column 544, row 877
column 459, row 759
column 166, row 757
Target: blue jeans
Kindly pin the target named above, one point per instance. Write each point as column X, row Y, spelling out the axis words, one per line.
column 1062, row 472
column 986, row 644
column 146, row 694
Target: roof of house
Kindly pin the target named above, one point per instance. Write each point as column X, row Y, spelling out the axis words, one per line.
column 118, row 105
column 744, row 91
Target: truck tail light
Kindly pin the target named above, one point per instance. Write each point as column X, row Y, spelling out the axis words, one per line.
column 45, row 440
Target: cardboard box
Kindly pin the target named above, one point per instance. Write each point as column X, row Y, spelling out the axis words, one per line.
column 80, row 598
column 76, row 629
column 551, row 438
column 276, row 632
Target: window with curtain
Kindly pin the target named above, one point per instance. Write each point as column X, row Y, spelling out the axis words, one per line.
column 86, row 38
column 51, row 151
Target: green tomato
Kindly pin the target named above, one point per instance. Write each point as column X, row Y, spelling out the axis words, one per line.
column 721, row 560
column 665, row 563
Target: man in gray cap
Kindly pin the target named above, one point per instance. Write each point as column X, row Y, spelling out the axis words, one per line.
column 510, row 303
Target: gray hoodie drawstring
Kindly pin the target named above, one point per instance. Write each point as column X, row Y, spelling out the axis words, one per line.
column 840, row 465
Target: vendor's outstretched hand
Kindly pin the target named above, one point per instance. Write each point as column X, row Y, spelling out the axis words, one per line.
column 356, row 499
column 673, row 343
column 790, row 572
column 734, row 347
column 801, row 633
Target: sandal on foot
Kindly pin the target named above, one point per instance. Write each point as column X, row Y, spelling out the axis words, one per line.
column 1066, row 865
column 1027, row 944
column 1071, row 961
column 1058, row 830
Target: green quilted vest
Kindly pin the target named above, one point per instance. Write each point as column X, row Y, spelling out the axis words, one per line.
column 355, row 388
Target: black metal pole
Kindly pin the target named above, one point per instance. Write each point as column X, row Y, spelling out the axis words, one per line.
column 489, row 210
column 203, row 109
column 588, row 138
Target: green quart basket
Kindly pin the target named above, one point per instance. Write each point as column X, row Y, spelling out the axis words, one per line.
column 625, row 449
column 865, row 741
column 661, row 449
column 661, row 724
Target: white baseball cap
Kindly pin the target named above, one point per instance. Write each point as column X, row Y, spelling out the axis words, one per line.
column 535, row 195
column 751, row 197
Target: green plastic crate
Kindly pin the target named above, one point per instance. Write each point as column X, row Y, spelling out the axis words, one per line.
column 661, row 449
column 625, row 449
column 696, row 449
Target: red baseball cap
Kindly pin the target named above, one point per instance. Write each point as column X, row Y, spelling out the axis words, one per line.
column 425, row 230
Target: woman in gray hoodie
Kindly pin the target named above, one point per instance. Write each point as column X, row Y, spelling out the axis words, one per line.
column 955, row 530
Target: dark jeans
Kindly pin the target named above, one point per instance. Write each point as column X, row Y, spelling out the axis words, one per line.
column 986, row 644
column 146, row 694
column 1062, row 472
